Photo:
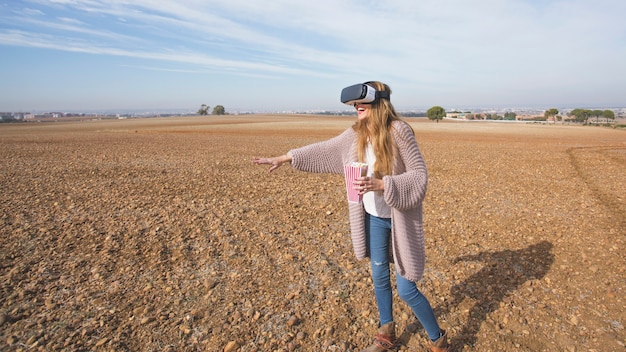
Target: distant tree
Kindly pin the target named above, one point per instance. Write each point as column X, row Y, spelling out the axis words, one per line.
column 608, row 115
column 597, row 114
column 204, row 110
column 510, row 115
column 581, row 115
column 436, row 113
column 550, row 114
column 219, row 110
column 586, row 114
column 493, row 117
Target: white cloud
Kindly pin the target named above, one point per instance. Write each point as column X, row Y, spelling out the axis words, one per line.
column 441, row 46
column 70, row 20
column 32, row 12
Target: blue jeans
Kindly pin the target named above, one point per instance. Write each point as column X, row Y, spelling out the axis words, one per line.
column 378, row 231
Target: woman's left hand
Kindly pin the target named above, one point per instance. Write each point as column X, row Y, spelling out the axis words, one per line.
column 368, row 184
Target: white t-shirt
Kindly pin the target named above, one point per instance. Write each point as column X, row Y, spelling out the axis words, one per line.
column 374, row 202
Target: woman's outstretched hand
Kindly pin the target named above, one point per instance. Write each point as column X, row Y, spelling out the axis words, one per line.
column 274, row 162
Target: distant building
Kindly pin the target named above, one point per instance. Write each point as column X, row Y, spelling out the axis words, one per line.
column 13, row 116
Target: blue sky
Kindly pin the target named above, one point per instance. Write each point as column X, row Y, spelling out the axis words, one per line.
column 294, row 55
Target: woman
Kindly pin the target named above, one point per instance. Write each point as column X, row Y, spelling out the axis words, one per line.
column 387, row 225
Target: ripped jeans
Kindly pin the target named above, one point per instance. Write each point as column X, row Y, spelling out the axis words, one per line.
column 378, row 231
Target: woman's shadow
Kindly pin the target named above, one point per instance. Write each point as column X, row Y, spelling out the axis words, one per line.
column 503, row 273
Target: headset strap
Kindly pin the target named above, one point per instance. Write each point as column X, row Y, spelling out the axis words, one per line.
column 382, row 95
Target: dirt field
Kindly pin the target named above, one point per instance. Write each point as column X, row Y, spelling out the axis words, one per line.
column 161, row 235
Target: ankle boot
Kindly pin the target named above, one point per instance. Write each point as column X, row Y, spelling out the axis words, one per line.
column 385, row 339
column 441, row 345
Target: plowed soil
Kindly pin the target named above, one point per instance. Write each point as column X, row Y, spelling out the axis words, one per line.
column 161, row 235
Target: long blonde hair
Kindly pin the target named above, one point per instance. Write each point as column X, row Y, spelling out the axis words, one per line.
column 376, row 129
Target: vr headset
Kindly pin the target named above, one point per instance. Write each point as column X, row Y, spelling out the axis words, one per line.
column 361, row 93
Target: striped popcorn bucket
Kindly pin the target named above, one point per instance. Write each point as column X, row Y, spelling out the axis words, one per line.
column 352, row 172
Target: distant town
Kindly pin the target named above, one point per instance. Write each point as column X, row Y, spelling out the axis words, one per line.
column 515, row 114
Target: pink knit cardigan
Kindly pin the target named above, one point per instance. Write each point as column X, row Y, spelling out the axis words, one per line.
column 404, row 191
